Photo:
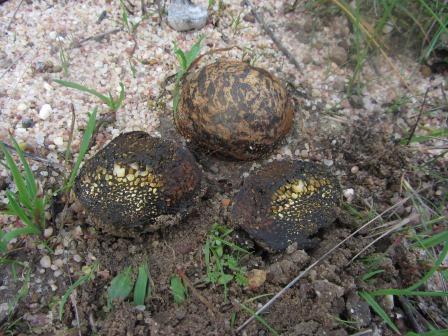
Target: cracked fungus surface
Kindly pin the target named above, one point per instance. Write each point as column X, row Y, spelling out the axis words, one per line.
column 135, row 179
column 287, row 202
column 234, row 110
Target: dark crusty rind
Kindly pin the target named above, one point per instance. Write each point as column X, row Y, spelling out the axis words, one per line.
column 233, row 109
column 287, row 202
column 135, row 179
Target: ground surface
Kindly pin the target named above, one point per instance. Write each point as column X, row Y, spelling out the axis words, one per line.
column 357, row 138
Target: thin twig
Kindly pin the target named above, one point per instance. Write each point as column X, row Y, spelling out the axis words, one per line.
column 70, row 136
column 195, row 292
column 14, row 15
column 98, row 37
column 75, row 307
column 271, row 34
column 318, row 261
column 411, row 133
column 411, row 219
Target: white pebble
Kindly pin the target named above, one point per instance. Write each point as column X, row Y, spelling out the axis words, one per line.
column 45, row 111
column 48, row 232
column 45, row 261
column 355, row 169
column 58, row 141
column 57, row 273
column 53, row 287
column 58, row 251
column 21, row 107
column 58, row 262
column 349, row 194
column 328, row 163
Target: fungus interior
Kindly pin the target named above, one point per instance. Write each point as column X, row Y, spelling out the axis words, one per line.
column 134, row 184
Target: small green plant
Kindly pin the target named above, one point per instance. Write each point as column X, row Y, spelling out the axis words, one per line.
column 185, row 60
column 121, row 286
column 235, row 24
column 222, row 259
column 178, row 289
column 113, row 103
column 64, row 59
column 426, row 236
column 142, row 290
column 22, row 293
column 89, row 275
column 28, row 204
column 130, row 26
column 87, row 136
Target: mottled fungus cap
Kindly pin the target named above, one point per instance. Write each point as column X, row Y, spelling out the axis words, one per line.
column 234, row 110
column 135, row 179
column 287, row 202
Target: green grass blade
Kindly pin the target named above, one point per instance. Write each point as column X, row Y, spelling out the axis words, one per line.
column 83, row 88
column 432, row 241
column 120, row 286
column 23, row 193
column 29, row 177
column 369, row 275
column 260, row 319
column 83, row 148
column 440, row 332
column 437, row 263
column 84, row 278
column 181, row 58
column 380, row 311
column 178, row 289
column 18, row 210
column 191, row 55
column 141, row 285
column 7, row 237
column 404, row 292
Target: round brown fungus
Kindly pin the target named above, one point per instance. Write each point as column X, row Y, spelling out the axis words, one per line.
column 287, row 202
column 135, row 180
column 234, row 110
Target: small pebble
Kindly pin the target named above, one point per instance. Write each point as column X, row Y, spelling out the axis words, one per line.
column 45, row 261
column 57, row 273
column 58, row 141
column 53, row 287
column 58, row 262
column 328, row 163
column 77, row 258
column 58, row 251
column 354, row 169
column 27, row 123
column 349, row 194
column 45, row 111
column 48, row 232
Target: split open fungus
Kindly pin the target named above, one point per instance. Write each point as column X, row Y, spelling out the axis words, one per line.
column 234, row 110
column 287, row 202
column 135, row 180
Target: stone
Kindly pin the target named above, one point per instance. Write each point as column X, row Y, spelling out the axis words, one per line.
column 45, row 111
column 356, row 101
column 27, row 123
column 358, row 310
column 183, row 15
column 45, row 261
column 256, row 278
column 338, row 55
